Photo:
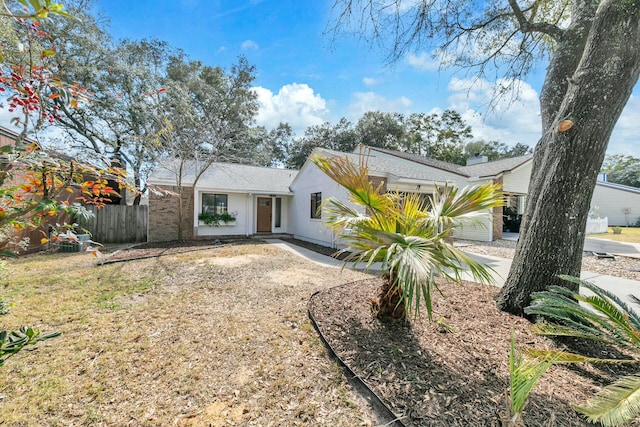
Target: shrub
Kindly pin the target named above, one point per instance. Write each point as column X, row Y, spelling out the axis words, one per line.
column 602, row 317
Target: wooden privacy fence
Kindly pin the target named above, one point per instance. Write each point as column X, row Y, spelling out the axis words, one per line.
column 118, row 224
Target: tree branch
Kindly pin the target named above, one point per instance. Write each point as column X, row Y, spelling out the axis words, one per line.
column 527, row 26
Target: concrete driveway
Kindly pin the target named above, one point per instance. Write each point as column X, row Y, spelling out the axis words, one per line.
column 617, row 285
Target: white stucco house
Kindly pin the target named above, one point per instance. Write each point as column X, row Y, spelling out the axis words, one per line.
column 268, row 200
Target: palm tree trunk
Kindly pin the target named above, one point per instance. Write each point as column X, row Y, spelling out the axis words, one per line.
column 388, row 305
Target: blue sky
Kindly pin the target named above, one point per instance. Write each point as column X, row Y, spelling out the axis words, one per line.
column 304, row 77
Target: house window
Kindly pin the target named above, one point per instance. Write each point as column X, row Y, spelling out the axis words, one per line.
column 316, row 200
column 215, row 203
column 427, row 199
column 278, row 211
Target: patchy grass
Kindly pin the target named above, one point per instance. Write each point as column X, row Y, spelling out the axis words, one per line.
column 215, row 337
column 628, row 235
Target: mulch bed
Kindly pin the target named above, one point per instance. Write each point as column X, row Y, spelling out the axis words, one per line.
column 324, row 250
column 430, row 376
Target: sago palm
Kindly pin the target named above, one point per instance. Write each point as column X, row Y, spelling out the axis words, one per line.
column 412, row 241
column 600, row 317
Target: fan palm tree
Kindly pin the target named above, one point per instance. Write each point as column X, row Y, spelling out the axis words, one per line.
column 412, row 238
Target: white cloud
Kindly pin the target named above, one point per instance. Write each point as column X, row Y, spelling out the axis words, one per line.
column 625, row 139
column 371, row 101
column 433, row 61
column 370, row 81
column 249, row 45
column 516, row 116
column 423, row 62
column 510, row 120
column 295, row 103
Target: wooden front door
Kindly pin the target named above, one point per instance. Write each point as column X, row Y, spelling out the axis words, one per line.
column 264, row 214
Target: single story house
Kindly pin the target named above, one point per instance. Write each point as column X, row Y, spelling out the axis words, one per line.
column 408, row 173
column 257, row 197
column 267, row 200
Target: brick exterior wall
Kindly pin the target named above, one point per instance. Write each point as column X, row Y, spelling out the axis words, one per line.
column 163, row 215
column 376, row 180
column 497, row 216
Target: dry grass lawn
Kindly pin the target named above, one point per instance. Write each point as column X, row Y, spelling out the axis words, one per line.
column 209, row 338
column 628, row 235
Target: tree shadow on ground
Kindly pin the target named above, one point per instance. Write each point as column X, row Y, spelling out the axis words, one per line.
column 430, row 376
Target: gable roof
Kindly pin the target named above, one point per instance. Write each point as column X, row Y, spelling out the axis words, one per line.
column 384, row 166
column 8, row 137
column 228, row 176
column 495, row 167
column 618, row 186
column 480, row 170
column 438, row 164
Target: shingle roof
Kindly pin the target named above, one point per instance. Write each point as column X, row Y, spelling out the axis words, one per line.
column 495, row 167
column 618, row 186
column 228, row 176
column 478, row 170
column 388, row 166
column 438, row 164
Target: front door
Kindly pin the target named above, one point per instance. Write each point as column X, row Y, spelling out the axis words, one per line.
column 264, row 214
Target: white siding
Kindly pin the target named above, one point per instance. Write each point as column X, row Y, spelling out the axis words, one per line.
column 517, row 181
column 612, row 202
column 245, row 205
column 481, row 232
column 312, row 180
column 236, row 204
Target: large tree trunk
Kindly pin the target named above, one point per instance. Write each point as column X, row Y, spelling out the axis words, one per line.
column 566, row 163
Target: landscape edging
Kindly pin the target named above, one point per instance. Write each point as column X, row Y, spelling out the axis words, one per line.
column 362, row 385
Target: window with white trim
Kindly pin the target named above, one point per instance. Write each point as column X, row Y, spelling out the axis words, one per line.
column 215, row 203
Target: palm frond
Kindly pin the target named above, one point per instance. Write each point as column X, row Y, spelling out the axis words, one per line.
column 402, row 233
column 616, row 404
column 454, row 205
column 573, row 330
column 604, row 317
column 560, row 356
column 356, row 180
column 524, row 375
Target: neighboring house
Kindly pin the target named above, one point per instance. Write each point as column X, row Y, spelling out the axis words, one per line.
column 258, row 197
column 31, row 238
column 619, row 203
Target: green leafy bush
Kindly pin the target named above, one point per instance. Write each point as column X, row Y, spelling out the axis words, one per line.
column 215, row 219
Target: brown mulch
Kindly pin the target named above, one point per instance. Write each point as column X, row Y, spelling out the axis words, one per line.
column 324, row 250
column 430, row 376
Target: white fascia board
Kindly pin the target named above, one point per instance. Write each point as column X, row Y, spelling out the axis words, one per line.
column 423, row 181
column 483, row 178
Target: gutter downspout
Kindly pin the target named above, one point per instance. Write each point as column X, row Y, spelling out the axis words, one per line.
column 247, row 214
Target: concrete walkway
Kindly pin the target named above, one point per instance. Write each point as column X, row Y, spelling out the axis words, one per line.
column 617, row 285
column 631, row 250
